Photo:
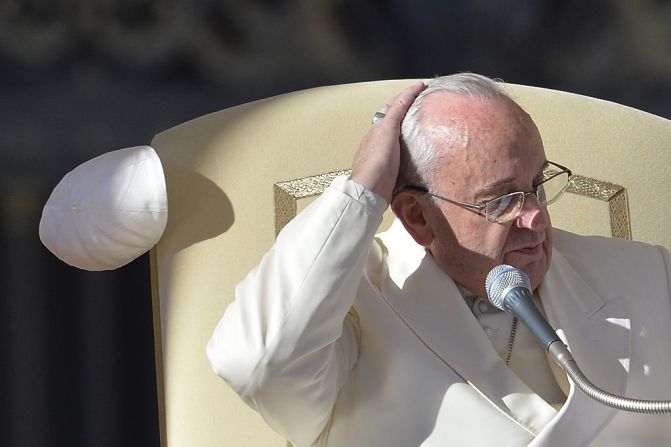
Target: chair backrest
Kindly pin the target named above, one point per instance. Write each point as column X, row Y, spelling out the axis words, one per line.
column 235, row 177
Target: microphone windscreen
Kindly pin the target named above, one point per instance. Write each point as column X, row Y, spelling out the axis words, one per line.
column 500, row 279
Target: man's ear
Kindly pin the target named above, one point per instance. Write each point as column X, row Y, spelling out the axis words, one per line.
column 413, row 211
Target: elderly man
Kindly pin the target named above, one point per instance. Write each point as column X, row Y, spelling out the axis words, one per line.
column 342, row 338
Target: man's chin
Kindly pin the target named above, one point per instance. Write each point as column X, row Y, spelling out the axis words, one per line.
column 535, row 269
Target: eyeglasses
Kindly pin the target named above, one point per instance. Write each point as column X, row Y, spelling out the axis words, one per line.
column 507, row 207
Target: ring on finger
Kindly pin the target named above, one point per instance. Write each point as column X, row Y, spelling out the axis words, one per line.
column 377, row 117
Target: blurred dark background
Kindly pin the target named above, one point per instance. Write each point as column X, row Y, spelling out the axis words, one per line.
column 84, row 77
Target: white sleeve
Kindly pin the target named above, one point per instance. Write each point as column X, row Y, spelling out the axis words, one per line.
column 284, row 345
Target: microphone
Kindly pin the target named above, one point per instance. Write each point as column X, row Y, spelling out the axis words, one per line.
column 508, row 288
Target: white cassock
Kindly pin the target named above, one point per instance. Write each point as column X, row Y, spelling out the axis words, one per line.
column 417, row 369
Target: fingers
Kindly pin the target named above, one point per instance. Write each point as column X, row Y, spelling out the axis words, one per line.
column 396, row 108
column 376, row 161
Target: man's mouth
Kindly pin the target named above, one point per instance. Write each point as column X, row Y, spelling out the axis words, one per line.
column 525, row 254
column 529, row 249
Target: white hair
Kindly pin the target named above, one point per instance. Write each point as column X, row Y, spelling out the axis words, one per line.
column 419, row 158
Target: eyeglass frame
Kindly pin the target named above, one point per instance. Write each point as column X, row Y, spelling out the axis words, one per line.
column 481, row 209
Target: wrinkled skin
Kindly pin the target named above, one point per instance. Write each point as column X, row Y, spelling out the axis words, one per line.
column 487, row 148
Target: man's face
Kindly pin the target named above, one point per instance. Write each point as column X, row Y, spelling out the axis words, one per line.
column 488, row 149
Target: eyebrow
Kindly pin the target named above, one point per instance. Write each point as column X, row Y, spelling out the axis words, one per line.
column 501, row 185
column 494, row 189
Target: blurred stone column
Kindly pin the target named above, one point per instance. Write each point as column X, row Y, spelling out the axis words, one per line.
column 24, row 344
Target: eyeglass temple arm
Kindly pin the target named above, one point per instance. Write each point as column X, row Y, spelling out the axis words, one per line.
column 478, row 208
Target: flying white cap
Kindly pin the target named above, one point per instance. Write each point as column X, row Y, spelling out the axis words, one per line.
column 107, row 211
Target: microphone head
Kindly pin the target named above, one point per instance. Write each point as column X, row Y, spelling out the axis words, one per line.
column 501, row 279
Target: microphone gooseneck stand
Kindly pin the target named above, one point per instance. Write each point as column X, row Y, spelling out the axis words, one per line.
column 508, row 288
column 563, row 357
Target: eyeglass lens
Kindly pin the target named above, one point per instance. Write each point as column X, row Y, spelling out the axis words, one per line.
column 553, row 188
column 508, row 207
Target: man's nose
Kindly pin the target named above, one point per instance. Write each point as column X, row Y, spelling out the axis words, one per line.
column 533, row 216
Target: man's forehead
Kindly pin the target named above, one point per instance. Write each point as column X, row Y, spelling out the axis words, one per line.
column 444, row 106
column 451, row 99
column 483, row 141
column 445, row 114
column 447, row 106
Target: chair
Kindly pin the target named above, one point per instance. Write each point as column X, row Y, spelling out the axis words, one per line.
column 235, row 177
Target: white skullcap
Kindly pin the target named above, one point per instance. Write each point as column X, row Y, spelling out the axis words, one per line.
column 107, row 211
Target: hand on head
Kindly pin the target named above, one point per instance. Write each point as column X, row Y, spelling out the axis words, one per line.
column 376, row 162
column 477, row 144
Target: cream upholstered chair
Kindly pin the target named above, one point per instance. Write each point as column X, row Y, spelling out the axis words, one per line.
column 236, row 176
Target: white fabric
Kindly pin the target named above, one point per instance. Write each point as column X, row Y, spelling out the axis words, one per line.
column 107, row 211
column 424, row 372
column 528, row 360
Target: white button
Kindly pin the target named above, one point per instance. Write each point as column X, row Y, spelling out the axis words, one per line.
column 489, row 331
column 483, row 306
